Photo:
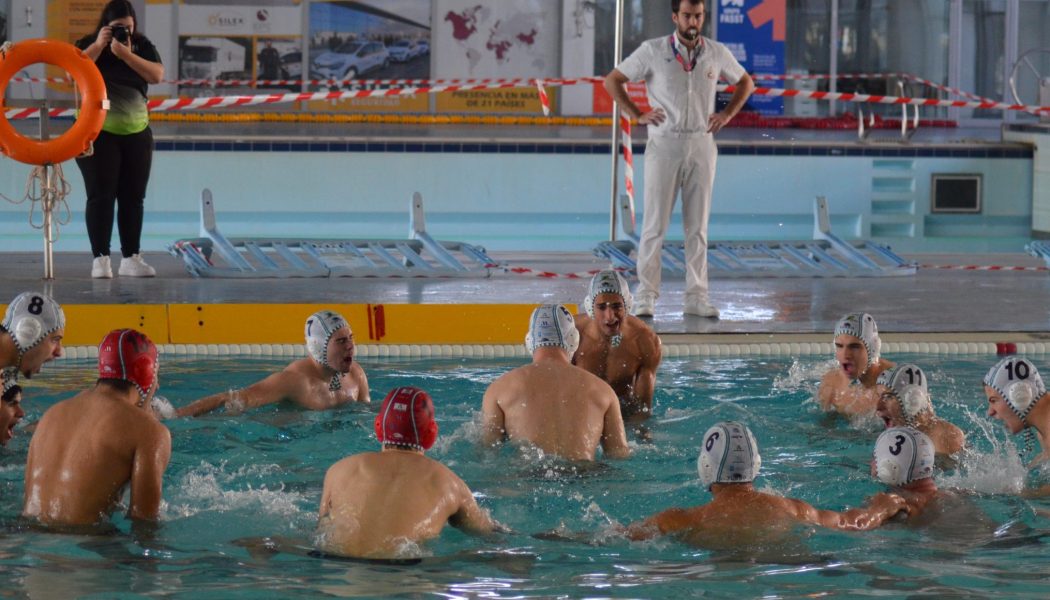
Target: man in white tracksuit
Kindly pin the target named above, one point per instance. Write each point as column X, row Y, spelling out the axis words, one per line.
column 681, row 72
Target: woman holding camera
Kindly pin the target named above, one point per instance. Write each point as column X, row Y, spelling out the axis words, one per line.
column 118, row 170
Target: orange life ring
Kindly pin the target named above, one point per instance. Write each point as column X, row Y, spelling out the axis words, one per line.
column 93, row 105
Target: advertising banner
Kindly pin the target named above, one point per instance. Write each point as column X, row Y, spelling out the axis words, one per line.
column 369, row 39
column 754, row 31
column 496, row 39
column 231, row 45
column 68, row 21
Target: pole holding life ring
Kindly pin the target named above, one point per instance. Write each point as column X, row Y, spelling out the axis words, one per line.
column 77, row 139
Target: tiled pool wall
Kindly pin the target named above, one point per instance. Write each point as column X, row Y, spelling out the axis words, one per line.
column 549, row 196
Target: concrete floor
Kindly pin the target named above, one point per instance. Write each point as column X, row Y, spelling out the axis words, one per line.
column 933, row 301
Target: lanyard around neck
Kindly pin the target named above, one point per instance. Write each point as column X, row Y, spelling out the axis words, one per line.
column 687, row 66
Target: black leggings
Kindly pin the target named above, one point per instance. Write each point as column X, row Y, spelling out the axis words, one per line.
column 117, row 171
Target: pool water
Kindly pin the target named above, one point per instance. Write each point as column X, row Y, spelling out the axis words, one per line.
column 235, row 480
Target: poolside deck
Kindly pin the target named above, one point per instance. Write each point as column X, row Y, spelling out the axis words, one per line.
column 935, row 303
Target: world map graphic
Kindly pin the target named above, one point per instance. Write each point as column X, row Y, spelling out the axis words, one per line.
column 482, row 33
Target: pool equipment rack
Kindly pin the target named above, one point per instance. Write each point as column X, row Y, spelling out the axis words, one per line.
column 215, row 255
column 826, row 255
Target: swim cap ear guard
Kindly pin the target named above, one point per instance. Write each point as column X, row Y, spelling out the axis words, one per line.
column 863, row 327
column 908, row 384
column 128, row 355
column 406, row 418
column 607, row 282
column 552, row 325
column 903, row 455
column 318, row 332
column 1018, row 381
column 729, row 454
column 30, row 318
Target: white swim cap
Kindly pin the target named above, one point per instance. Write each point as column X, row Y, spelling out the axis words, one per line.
column 319, row 330
column 729, row 454
column 607, row 282
column 30, row 318
column 1017, row 380
column 552, row 325
column 862, row 326
column 903, row 455
column 908, row 385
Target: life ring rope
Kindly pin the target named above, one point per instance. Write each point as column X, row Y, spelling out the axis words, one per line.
column 93, row 101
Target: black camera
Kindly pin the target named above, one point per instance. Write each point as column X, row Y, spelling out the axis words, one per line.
column 120, row 33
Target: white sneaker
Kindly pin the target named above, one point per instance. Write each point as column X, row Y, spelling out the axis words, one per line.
column 134, row 266
column 701, row 308
column 101, row 269
column 644, row 305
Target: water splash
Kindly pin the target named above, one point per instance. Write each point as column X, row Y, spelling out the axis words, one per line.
column 162, row 407
column 210, row 488
column 803, row 376
column 994, row 470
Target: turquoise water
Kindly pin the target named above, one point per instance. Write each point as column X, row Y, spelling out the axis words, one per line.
column 260, row 474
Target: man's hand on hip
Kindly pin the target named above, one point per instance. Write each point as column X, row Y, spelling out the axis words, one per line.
column 717, row 121
column 653, row 117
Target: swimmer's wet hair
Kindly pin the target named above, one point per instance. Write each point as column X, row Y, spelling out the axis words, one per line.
column 10, row 392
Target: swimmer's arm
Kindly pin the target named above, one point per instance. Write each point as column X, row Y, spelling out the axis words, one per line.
column 614, row 438
column 955, row 439
column 470, row 517
column 326, row 496
column 493, row 423
column 204, row 405
column 645, row 378
column 274, row 388
column 881, row 508
column 147, row 475
column 668, row 521
column 826, row 391
column 363, row 393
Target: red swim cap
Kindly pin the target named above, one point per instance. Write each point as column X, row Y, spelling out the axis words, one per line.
column 407, row 419
column 129, row 355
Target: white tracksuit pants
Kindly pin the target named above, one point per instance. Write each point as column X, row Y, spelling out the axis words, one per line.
column 673, row 164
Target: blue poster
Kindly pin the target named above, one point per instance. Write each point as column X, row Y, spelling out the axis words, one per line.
column 754, row 31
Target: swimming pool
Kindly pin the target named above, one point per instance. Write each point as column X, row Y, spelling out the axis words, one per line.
column 260, row 475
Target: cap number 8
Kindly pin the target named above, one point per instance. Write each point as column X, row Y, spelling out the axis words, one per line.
column 36, row 305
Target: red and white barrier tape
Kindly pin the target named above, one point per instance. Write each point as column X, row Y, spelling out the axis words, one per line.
column 881, row 99
column 817, row 76
column 945, row 88
column 259, row 99
column 984, row 268
column 530, row 272
column 254, row 100
column 431, row 83
column 628, row 160
column 545, row 102
column 355, row 82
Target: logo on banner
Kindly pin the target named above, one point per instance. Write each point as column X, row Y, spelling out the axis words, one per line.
column 732, row 12
column 226, row 19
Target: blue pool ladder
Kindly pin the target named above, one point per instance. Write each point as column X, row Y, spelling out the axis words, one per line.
column 826, row 255
column 214, row 255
